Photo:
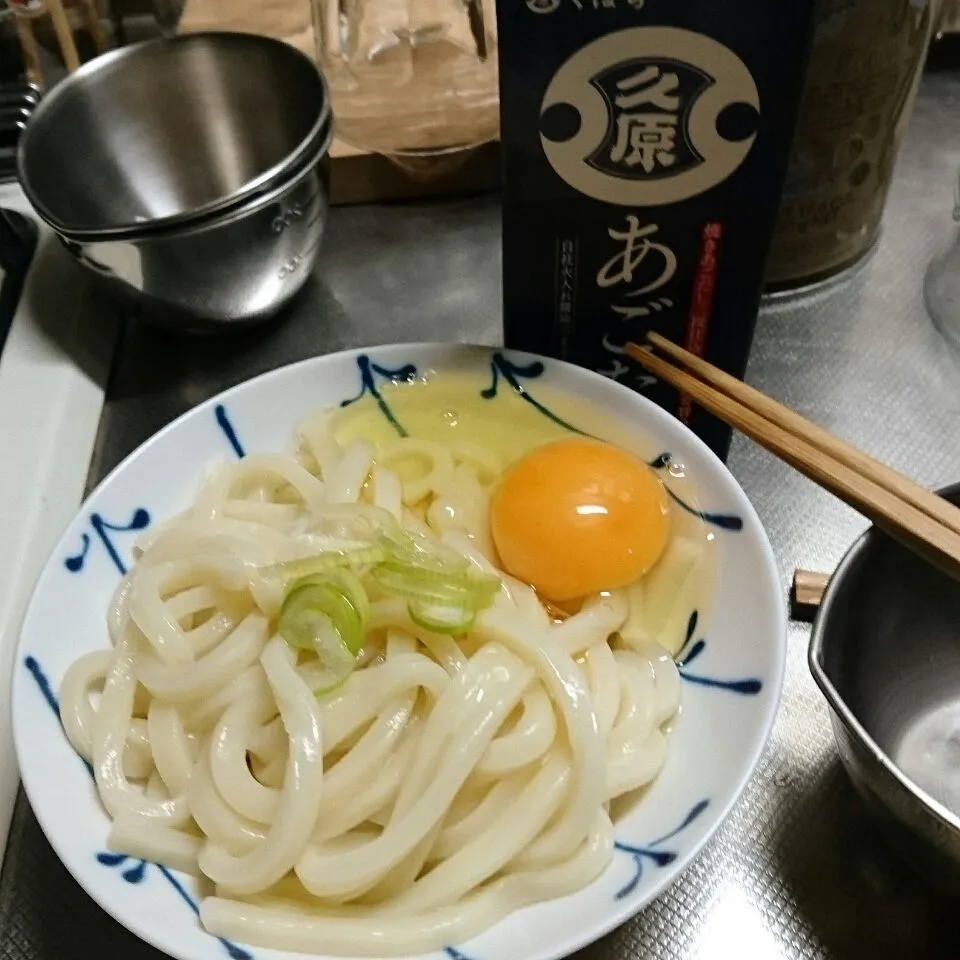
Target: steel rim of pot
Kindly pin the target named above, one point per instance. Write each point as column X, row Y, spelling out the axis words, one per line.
column 260, row 186
column 835, row 701
column 238, row 211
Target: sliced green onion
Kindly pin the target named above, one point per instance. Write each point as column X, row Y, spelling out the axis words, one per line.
column 356, row 521
column 352, row 588
column 453, row 573
column 444, row 592
column 412, row 551
column 328, row 682
column 330, row 596
column 321, row 680
column 467, row 586
column 326, row 607
column 437, row 619
column 355, row 556
column 326, row 615
column 470, row 591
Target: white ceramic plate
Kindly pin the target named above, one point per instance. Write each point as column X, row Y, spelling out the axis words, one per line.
column 732, row 665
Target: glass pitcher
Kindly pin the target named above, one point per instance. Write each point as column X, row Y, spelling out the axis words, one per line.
column 410, row 78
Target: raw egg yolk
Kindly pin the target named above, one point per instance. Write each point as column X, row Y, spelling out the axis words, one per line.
column 578, row 516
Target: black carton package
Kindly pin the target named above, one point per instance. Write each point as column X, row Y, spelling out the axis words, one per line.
column 645, row 146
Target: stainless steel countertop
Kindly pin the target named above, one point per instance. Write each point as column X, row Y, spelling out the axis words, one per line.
column 797, row 871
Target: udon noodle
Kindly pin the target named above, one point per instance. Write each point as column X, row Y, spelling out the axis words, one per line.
column 446, row 783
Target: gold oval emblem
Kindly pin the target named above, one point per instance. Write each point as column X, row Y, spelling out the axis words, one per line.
column 632, row 118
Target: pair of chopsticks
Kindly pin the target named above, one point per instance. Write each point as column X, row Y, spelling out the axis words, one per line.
column 918, row 518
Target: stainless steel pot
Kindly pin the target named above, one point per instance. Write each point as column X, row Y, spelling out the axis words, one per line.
column 240, row 266
column 188, row 173
column 884, row 652
column 170, row 131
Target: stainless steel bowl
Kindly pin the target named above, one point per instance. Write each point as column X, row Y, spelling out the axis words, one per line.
column 885, row 651
column 240, row 266
column 170, row 131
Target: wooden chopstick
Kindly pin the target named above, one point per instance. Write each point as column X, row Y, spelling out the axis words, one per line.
column 849, row 475
column 806, row 592
column 29, row 49
column 920, row 497
column 91, row 17
column 61, row 26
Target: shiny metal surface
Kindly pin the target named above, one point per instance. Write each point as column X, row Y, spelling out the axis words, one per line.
column 799, row 871
column 19, row 94
column 884, row 652
column 169, row 130
column 237, row 267
column 15, row 115
column 17, row 103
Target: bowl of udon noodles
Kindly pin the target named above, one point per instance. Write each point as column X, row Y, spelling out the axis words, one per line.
column 421, row 650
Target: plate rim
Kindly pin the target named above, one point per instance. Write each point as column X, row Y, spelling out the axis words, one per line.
column 621, row 910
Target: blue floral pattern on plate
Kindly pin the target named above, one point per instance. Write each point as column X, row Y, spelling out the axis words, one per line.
column 692, row 649
column 725, row 521
column 654, row 853
column 103, row 531
column 371, row 375
column 135, row 871
column 226, row 426
column 369, row 372
column 513, row 374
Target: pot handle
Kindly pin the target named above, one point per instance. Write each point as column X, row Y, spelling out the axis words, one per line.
column 81, row 254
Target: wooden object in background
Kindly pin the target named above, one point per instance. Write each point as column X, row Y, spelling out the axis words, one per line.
column 356, row 176
column 29, row 49
column 61, row 26
column 806, row 593
column 289, row 20
column 93, row 23
column 57, row 11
